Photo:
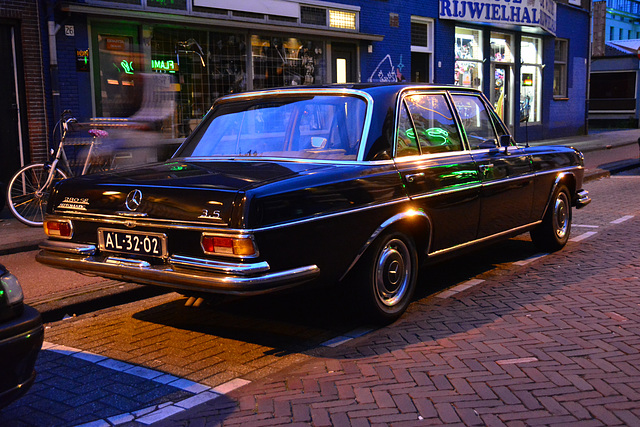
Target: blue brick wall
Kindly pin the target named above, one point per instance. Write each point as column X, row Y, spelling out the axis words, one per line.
column 567, row 117
column 75, row 86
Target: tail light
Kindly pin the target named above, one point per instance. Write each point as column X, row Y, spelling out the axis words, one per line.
column 58, row 228
column 238, row 246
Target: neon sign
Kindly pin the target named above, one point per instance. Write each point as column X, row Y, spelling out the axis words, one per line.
column 160, row 65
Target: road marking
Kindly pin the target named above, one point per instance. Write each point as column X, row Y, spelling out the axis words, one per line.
column 585, row 226
column 530, row 259
column 517, row 361
column 201, row 393
column 621, row 220
column 459, row 288
column 341, row 339
column 583, row 236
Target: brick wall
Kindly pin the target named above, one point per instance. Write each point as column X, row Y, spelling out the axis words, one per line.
column 25, row 15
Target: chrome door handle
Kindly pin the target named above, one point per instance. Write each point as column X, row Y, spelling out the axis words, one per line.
column 483, row 168
column 412, row 176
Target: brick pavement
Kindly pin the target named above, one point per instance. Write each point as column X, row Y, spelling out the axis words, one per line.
column 555, row 341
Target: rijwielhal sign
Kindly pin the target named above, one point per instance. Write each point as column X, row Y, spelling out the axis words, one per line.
column 531, row 13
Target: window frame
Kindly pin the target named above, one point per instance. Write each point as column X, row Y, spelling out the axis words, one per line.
column 563, row 65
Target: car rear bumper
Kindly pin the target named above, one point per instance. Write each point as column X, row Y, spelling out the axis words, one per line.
column 178, row 272
column 583, row 199
column 20, row 341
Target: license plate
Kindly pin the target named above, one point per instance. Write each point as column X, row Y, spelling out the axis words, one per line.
column 133, row 242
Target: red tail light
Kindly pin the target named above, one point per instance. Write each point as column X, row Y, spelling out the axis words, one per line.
column 58, row 228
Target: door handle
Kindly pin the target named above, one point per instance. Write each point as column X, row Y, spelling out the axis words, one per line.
column 412, row 176
column 485, row 167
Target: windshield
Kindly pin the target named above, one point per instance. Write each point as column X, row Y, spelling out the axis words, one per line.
column 327, row 127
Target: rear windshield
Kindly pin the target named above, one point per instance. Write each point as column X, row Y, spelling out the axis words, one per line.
column 326, row 127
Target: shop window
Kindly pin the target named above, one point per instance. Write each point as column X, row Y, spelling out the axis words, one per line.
column 342, row 19
column 560, row 68
column 531, row 79
column 286, row 62
column 469, row 57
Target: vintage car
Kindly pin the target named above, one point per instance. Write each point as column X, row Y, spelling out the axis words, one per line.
column 21, row 336
column 354, row 185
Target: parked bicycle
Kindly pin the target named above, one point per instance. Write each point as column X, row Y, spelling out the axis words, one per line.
column 28, row 190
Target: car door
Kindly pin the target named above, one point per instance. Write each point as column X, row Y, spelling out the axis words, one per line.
column 438, row 173
column 506, row 172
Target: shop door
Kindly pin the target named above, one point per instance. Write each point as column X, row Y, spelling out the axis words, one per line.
column 420, row 66
column 500, row 92
column 344, row 63
column 10, row 141
column 116, row 76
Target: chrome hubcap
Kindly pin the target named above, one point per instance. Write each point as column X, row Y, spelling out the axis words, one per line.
column 561, row 216
column 393, row 272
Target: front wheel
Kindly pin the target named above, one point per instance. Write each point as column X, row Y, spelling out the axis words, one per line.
column 553, row 233
column 26, row 195
column 388, row 277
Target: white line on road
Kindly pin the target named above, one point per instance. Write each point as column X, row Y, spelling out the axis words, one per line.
column 459, row 288
column 583, row 236
column 621, row 220
column 585, row 226
column 530, row 259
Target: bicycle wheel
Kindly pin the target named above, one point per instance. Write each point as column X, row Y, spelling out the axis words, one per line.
column 26, row 198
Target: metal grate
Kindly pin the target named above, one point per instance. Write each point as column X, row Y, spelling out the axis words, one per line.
column 313, row 15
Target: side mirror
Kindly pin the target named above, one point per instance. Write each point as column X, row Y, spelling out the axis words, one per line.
column 505, row 140
column 318, row 142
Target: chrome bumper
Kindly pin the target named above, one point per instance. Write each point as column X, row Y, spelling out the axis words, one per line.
column 583, row 199
column 179, row 272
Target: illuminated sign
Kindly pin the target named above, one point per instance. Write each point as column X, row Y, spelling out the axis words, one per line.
column 160, row 65
column 116, row 43
column 531, row 13
column 527, row 79
column 82, row 60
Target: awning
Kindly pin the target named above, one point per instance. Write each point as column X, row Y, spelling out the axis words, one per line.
column 200, row 20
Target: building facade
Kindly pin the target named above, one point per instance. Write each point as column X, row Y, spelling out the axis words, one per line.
column 100, row 53
column 23, row 120
column 614, row 79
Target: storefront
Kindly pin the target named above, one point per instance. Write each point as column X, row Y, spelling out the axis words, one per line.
column 503, row 56
column 210, row 48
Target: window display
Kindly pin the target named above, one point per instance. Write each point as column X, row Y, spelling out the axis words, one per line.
column 469, row 56
column 531, row 79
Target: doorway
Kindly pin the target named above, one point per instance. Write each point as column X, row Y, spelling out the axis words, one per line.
column 420, row 67
column 344, row 68
column 11, row 102
column 501, row 91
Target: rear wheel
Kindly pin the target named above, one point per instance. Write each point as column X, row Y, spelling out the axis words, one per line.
column 26, row 197
column 388, row 277
column 553, row 233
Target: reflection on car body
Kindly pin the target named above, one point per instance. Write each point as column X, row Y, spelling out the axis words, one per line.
column 354, row 184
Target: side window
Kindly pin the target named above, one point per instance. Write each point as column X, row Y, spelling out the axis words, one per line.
column 407, row 144
column 436, row 129
column 476, row 120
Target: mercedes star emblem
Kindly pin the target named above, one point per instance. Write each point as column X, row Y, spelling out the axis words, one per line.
column 134, row 198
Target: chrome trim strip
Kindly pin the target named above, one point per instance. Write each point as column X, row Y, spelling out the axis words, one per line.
column 219, row 266
column 381, row 228
column 68, row 247
column 484, row 239
column 163, row 275
column 132, row 214
column 446, row 191
column 151, row 222
column 127, row 262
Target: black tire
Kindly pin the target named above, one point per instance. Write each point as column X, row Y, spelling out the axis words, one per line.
column 388, row 277
column 26, row 198
column 553, row 233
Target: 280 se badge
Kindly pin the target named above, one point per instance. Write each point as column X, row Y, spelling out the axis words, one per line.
column 351, row 185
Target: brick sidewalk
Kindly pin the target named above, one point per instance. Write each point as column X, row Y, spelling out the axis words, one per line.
column 552, row 341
